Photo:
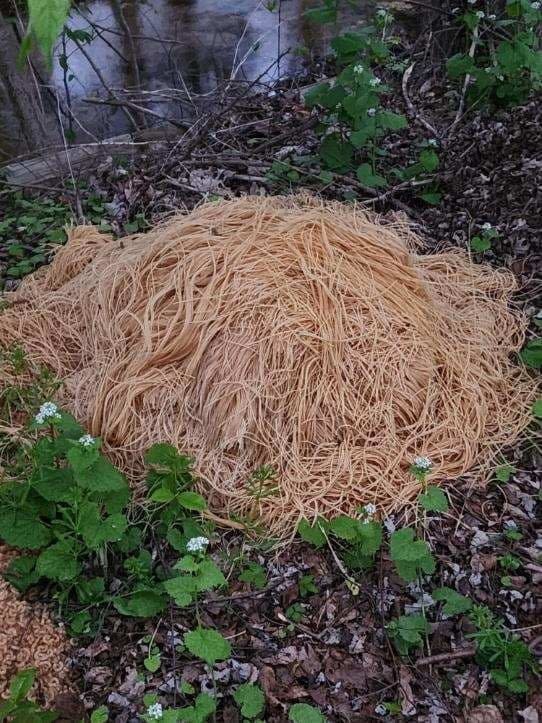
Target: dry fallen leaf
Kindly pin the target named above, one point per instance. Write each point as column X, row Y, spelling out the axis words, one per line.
column 484, row 714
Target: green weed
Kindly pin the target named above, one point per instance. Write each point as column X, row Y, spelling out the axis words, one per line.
column 503, row 654
column 502, row 59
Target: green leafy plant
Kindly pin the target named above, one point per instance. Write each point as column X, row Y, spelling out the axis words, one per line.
column 250, row 699
column 509, row 562
column 100, row 715
column 411, row 556
column 153, row 659
column 46, row 19
column 420, row 468
column 307, row 586
column 504, row 472
column 407, row 632
column 360, row 538
column 353, row 117
column 197, row 575
column 482, row 241
column 17, row 708
column 204, row 707
column 282, row 174
column 531, row 354
column 513, row 534
column 305, row 713
column 503, row 654
column 315, row 533
column 170, row 481
column 295, row 612
column 207, row 644
column 30, row 229
column 454, row 603
column 262, row 483
column 390, row 707
column 503, row 62
column 67, row 504
column 255, row 575
column 433, row 499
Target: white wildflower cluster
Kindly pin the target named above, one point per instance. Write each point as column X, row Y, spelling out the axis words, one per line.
column 492, row 16
column 368, row 511
column 155, row 711
column 432, row 142
column 486, row 227
column 480, row 14
column 358, row 69
column 86, row 440
column 197, row 544
column 48, row 411
column 423, row 463
column 390, row 524
column 381, row 709
column 371, row 112
column 374, row 82
column 536, row 5
column 384, row 15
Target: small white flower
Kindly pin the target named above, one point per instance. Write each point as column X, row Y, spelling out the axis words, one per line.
column 432, row 142
column 371, row 112
column 86, row 440
column 337, row 106
column 155, row 711
column 500, row 77
column 472, row 2
column 367, row 512
column 389, row 524
column 423, row 463
column 358, row 69
column 536, row 5
column 486, row 227
column 374, row 82
column 48, row 410
column 480, row 14
column 492, row 17
column 381, row 709
column 381, row 13
column 197, row 544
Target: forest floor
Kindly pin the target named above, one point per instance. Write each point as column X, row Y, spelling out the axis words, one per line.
column 324, row 645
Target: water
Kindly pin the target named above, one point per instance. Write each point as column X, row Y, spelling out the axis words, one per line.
column 197, row 45
column 185, row 45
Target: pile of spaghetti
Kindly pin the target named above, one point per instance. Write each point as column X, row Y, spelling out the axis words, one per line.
column 308, row 337
column 30, row 639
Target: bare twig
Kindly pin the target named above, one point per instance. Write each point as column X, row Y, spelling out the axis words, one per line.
column 117, row 102
column 466, row 84
column 412, row 111
column 446, row 657
column 103, row 81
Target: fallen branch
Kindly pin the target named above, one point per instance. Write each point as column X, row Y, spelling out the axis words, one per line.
column 446, row 657
column 466, row 84
column 411, row 110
